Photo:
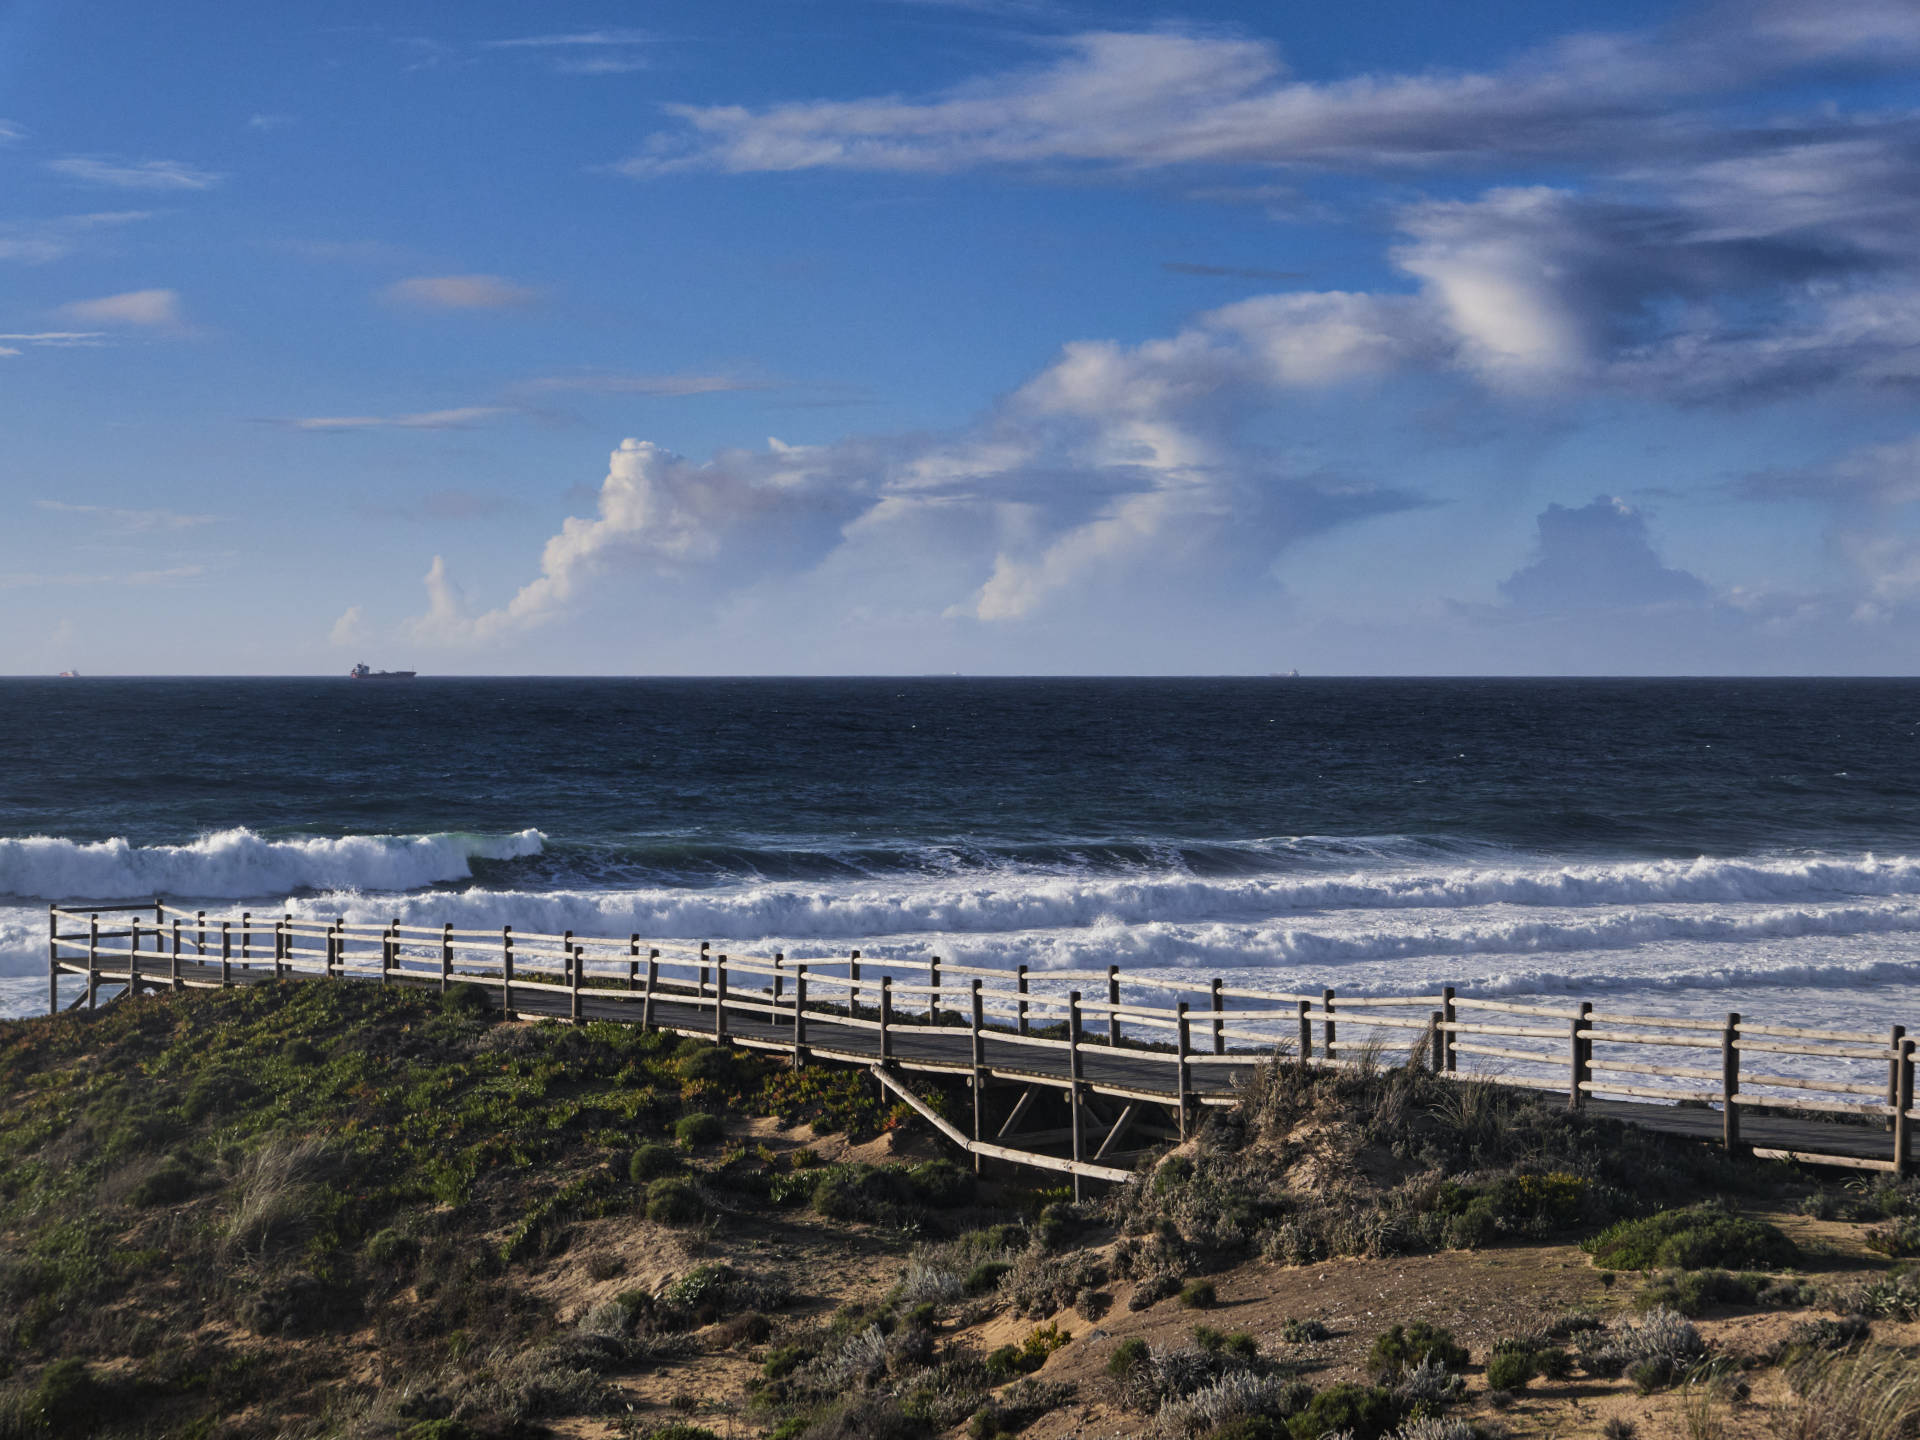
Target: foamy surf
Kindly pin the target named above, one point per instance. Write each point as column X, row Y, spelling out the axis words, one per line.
column 240, row 865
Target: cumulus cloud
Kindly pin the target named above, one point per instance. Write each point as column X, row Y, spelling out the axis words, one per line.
column 350, row 629
column 142, row 309
column 459, row 292
column 1598, row 556
column 135, row 174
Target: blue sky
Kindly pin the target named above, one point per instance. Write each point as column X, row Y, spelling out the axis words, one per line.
column 906, row 336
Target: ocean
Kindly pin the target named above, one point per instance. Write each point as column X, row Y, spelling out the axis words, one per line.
column 1697, row 845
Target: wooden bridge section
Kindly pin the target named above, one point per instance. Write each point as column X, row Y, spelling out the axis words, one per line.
column 1110, row 1065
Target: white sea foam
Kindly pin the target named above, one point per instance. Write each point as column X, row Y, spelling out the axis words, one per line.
column 240, row 865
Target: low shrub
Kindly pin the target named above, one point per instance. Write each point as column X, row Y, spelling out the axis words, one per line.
column 1509, row 1370
column 674, row 1202
column 1404, row 1346
column 1697, row 1238
column 1900, row 1240
column 1198, row 1295
column 1128, row 1356
column 1366, row 1412
column 699, row 1128
column 651, row 1161
column 1304, row 1332
column 167, row 1184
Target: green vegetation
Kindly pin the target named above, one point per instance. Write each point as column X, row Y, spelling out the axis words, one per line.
column 1697, row 1238
column 1405, row 1346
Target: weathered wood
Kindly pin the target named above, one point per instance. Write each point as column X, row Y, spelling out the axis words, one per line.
column 978, row 1080
column 506, row 969
column 1809, row 1157
column 1074, row 1102
column 1020, row 987
column 1012, row 1121
column 1120, row 1128
column 1730, row 1080
column 1183, row 1082
column 1903, row 1112
column 1113, row 999
column 720, row 1002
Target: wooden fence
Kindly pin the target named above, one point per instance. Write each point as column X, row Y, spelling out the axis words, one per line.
column 1109, row 1039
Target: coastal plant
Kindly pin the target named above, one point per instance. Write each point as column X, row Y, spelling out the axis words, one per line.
column 1871, row 1394
column 1403, row 1346
column 1662, row 1336
column 1696, row 1238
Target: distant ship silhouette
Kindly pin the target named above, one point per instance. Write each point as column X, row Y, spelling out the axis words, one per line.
column 362, row 672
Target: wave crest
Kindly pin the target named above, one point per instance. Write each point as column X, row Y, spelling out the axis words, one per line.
column 240, row 865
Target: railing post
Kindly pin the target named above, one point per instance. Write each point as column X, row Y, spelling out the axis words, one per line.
column 886, row 1019
column 446, row 955
column 633, row 962
column 200, row 943
column 933, row 987
column 226, row 952
column 566, row 956
column 1450, row 1016
column 1437, row 1053
column 1730, row 1082
column 1219, row 1017
column 853, row 985
column 1577, row 1072
column 1182, row 1048
column 279, row 949
column 506, row 971
column 799, row 1016
column 173, row 961
column 779, row 978
column 1020, row 984
column 1073, row 1082
column 93, row 958
column 387, row 947
column 978, row 1024
column 1893, row 1069
column 705, row 975
column 246, row 939
column 336, row 950
column 1113, row 999
column 1306, row 1030
column 653, row 981
column 578, row 958
column 1326, row 1004
column 1902, row 1116
column 53, row 959
column 720, row 1003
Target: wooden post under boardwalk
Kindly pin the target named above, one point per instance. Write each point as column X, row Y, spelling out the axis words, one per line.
column 1073, row 1084
column 979, row 1020
column 886, row 1019
column 1182, row 1048
column 1903, row 1113
column 1730, row 1081
column 1893, row 1069
column 53, row 959
column 799, row 1017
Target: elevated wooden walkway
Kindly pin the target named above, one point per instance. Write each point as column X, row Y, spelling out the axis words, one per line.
column 1825, row 1097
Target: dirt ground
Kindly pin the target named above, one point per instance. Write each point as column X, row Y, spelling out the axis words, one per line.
column 1481, row 1295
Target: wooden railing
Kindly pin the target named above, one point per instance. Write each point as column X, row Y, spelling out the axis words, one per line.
column 1586, row 1052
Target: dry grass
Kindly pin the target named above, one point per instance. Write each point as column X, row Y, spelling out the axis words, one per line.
column 1873, row 1394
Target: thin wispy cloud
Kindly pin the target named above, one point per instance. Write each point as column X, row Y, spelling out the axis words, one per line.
column 137, row 521
column 575, row 40
column 459, row 292
column 267, row 121
column 132, row 309
column 54, row 339
column 463, row 418
column 26, row 580
column 37, row 242
column 135, row 174
column 662, row 385
column 10, row 132
column 1229, row 272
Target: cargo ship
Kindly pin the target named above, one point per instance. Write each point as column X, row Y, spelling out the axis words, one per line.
column 362, row 672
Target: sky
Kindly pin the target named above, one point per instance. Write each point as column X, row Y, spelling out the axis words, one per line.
column 979, row 336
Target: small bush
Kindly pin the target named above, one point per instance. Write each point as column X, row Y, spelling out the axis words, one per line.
column 699, row 1128
column 1128, row 1356
column 168, row 1184
column 1509, row 1370
column 1693, row 1239
column 1901, row 1239
column 1656, row 1372
column 1198, row 1295
column 651, row 1161
column 389, row 1249
column 674, row 1202
column 1367, row 1411
column 1304, row 1332
column 1405, row 1346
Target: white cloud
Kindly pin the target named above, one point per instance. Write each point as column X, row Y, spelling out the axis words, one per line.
column 139, row 521
column 57, row 339
column 1186, row 97
column 40, row 241
column 135, row 174
column 459, row 292
column 1598, row 556
column 462, row 418
column 144, row 309
column 10, row 132
column 575, row 39
column 268, row 121
column 350, row 629
column 661, row 385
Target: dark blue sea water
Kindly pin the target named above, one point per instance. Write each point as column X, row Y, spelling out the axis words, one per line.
column 1673, row 837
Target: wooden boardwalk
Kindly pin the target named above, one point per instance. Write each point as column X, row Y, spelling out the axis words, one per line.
column 1112, row 1086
